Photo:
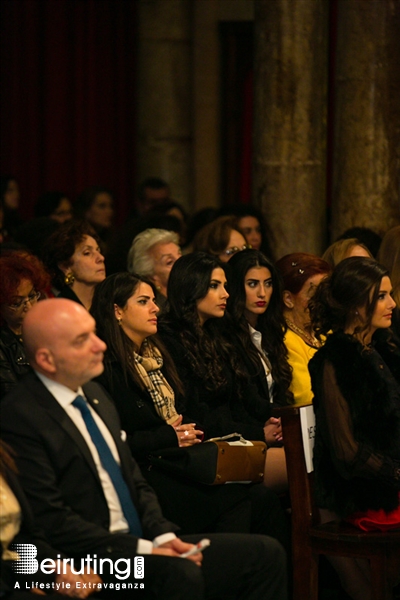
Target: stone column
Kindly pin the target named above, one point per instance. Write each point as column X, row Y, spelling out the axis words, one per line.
column 367, row 116
column 164, row 94
column 291, row 39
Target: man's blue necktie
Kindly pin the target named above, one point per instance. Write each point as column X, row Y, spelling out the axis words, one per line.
column 111, row 466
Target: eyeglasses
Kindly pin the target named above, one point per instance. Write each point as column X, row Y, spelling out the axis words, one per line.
column 236, row 249
column 32, row 298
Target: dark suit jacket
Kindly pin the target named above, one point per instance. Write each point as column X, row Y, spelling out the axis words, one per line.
column 60, row 478
column 146, row 430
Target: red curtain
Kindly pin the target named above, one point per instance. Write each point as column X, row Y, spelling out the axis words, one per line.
column 68, row 96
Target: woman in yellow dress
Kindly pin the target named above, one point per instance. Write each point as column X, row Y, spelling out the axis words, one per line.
column 301, row 274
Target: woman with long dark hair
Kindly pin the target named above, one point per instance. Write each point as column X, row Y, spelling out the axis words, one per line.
column 255, row 305
column 214, row 378
column 389, row 256
column 356, row 383
column 144, row 384
column 256, row 310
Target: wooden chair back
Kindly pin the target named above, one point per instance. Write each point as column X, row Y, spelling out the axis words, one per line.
column 309, row 538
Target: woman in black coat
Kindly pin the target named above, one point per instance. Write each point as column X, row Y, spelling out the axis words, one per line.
column 219, row 393
column 23, row 279
column 255, row 309
column 148, row 401
column 356, row 383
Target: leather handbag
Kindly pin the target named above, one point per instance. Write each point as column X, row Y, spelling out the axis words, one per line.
column 216, row 461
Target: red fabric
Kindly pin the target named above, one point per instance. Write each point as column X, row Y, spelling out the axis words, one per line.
column 67, row 106
column 376, row 520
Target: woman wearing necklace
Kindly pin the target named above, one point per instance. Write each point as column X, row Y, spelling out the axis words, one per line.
column 356, row 382
column 301, row 274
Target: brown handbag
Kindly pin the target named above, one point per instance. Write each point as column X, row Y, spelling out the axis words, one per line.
column 216, row 461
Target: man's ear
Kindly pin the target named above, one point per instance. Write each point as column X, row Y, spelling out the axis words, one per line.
column 288, row 299
column 44, row 359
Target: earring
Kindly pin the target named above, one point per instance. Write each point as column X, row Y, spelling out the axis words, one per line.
column 119, row 321
column 69, row 278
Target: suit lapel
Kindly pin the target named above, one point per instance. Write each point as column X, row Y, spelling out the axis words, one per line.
column 58, row 414
column 100, row 403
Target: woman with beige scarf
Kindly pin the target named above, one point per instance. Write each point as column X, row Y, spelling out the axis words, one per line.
column 143, row 383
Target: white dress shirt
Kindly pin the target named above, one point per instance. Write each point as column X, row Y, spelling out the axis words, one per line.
column 256, row 338
column 118, row 524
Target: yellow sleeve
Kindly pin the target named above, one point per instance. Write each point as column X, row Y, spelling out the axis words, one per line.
column 299, row 354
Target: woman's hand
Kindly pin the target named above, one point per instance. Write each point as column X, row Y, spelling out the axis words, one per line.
column 273, row 431
column 177, row 422
column 187, row 435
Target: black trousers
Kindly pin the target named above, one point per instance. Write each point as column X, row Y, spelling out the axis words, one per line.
column 231, row 508
column 235, row 567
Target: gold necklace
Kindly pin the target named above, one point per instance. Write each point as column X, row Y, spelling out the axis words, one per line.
column 310, row 339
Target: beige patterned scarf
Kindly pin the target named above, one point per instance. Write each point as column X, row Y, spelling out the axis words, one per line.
column 149, row 365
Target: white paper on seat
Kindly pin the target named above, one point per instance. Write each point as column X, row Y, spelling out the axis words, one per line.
column 307, row 420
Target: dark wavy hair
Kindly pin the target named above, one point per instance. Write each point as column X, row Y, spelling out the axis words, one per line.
column 206, row 346
column 271, row 323
column 354, row 283
column 61, row 245
column 117, row 289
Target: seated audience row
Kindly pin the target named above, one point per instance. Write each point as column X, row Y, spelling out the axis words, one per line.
column 225, row 359
column 88, row 494
column 149, row 395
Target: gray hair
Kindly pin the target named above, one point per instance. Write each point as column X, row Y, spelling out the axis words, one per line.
column 139, row 259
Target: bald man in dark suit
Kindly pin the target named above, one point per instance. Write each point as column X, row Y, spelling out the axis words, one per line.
column 73, row 492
